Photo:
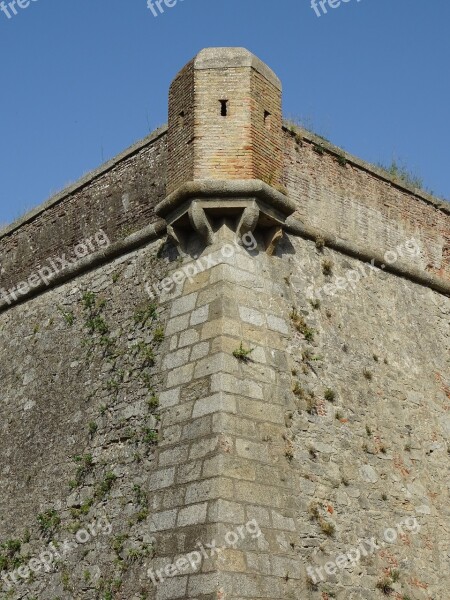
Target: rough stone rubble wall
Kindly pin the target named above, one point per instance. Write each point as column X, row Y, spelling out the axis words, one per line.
column 334, row 432
column 80, row 372
column 239, row 441
column 368, row 429
column 335, row 429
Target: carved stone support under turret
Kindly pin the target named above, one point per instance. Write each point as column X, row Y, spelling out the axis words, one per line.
column 199, row 207
column 224, row 142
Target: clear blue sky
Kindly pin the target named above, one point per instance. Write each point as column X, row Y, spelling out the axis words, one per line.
column 83, row 79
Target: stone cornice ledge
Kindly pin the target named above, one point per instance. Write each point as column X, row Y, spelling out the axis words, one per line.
column 293, row 226
column 210, row 189
column 399, row 268
column 134, row 241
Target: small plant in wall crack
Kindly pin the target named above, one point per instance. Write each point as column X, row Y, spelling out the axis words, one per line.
column 84, row 508
column 314, row 510
column 307, row 356
column 327, row 267
column 105, row 486
column 93, row 427
column 320, row 243
column 311, row 584
column 298, row 390
column 95, row 323
column 385, row 586
column 318, row 149
column 158, row 335
column 118, row 544
column 68, row 317
column 311, row 404
column 49, row 523
column 326, row 526
column 300, row 325
column 153, row 402
column 307, row 396
column 145, row 312
column 368, row 374
column 85, row 464
column 395, row 575
column 330, row 395
column 88, row 300
column 242, row 354
column 146, row 353
column 150, row 436
column 289, row 450
column 315, row 304
column 10, row 555
column 140, row 497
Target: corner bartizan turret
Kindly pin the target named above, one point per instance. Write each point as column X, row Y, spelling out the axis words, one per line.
column 225, row 148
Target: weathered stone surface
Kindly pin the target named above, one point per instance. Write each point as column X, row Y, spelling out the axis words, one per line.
column 289, row 409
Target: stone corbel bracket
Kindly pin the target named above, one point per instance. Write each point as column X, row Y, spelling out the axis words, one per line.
column 200, row 206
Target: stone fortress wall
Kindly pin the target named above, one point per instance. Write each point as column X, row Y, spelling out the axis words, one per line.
column 252, row 349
